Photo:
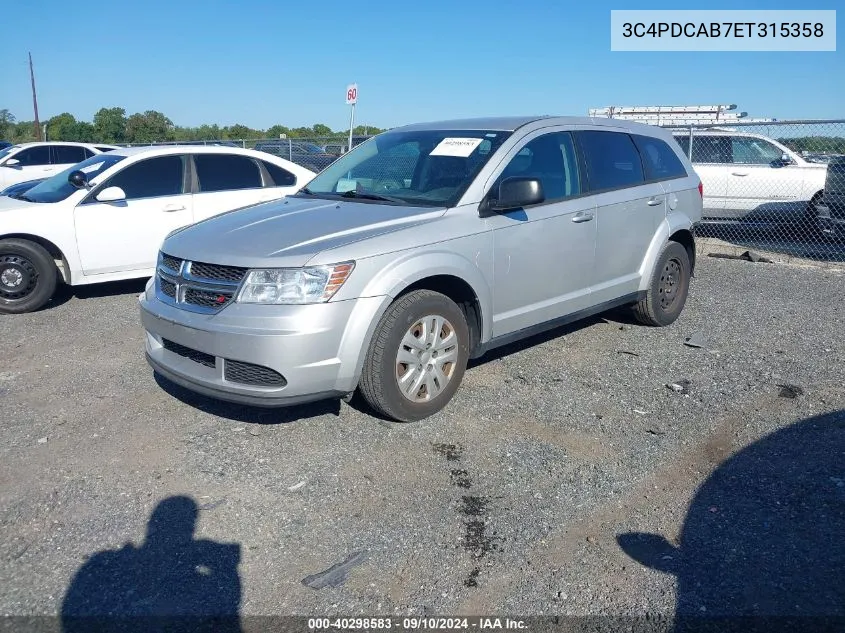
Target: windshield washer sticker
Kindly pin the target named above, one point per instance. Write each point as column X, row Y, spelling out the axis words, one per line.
column 461, row 147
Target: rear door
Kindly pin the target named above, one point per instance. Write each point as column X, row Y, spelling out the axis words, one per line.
column 224, row 182
column 711, row 156
column 629, row 208
column 126, row 235
column 64, row 156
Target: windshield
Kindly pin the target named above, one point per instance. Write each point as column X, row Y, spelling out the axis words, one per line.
column 57, row 188
column 423, row 167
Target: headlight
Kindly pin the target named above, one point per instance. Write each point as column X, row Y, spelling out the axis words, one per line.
column 314, row 284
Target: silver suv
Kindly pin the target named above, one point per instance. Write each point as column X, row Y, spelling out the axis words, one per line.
column 421, row 248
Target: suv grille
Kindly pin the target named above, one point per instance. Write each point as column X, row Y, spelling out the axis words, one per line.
column 249, row 374
column 197, row 286
column 168, row 287
column 186, row 352
column 173, row 263
column 207, row 298
column 217, row 272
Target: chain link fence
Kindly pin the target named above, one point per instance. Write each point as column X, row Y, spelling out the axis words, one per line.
column 772, row 188
column 314, row 153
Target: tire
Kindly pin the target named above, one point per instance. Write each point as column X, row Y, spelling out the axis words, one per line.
column 672, row 273
column 28, row 276
column 383, row 370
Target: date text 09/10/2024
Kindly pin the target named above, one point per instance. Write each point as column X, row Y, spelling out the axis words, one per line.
column 415, row 624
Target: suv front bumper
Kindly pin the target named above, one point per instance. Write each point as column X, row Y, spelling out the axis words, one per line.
column 261, row 355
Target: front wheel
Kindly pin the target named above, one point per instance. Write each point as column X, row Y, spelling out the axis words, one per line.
column 417, row 357
column 668, row 289
column 28, row 276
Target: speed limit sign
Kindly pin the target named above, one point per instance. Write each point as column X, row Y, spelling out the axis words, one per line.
column 351, row 94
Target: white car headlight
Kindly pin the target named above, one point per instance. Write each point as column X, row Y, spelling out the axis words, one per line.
column 277, row 286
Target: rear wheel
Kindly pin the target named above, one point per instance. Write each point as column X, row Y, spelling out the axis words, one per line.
column 28, row 276
column 417, row 357
column 668, row 289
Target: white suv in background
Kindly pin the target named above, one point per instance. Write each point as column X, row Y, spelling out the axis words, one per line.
column 34, row 161
column 753, row 179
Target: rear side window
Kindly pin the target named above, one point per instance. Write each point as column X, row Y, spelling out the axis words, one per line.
column 612, row 160
column 151, row 178
column 68, row 154
column 33, row 156
column 281, row 177
column 659, row 160
column 226, row 172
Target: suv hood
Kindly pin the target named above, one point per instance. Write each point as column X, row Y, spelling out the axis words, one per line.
column 290, row 231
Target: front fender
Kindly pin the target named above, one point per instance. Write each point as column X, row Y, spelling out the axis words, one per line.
column 389, row 282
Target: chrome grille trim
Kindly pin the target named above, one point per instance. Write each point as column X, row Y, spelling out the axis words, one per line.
column 195, row 294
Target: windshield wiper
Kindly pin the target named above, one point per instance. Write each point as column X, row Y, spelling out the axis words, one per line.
column 370, row 196
column 23, row 196
column 306, row 191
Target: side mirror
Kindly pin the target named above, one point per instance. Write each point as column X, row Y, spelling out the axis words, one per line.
column 783, row 161
column 12, row 162
column 111, row 194
column 514, row 193
column 78, row 179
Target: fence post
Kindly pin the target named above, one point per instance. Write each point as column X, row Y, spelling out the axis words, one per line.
column 689, row 151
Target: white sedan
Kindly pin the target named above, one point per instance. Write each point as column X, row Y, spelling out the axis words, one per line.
column 31, row 161
column 105, row 218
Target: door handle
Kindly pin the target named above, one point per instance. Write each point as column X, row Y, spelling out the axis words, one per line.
column 654, row 202
column 582, row 217
column 170, row 208
column 739, row 173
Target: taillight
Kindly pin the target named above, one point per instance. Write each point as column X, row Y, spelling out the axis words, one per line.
column 701, row 189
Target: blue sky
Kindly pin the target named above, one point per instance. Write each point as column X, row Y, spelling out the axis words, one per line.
column 262, row 62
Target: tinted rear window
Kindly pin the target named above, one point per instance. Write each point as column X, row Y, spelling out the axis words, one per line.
column 226, row 172
column 612, row 160
column 659, row 160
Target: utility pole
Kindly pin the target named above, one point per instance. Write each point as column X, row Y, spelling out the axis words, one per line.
column 34, row 101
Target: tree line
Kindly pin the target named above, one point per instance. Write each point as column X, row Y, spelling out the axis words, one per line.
column 111, row 125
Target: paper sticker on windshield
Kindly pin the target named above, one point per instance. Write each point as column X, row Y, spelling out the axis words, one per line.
column 346, row 184
column 462, row 147
column 94, row 167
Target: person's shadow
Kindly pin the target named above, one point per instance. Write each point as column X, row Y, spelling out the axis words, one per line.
column 763, row 543
column 171, row 582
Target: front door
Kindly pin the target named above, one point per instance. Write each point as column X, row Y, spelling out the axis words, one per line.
column 31, row 163
column 543, row 254
column 126, row 235
column 760, row 187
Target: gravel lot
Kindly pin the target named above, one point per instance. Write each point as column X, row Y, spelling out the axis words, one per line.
column 520, row 498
